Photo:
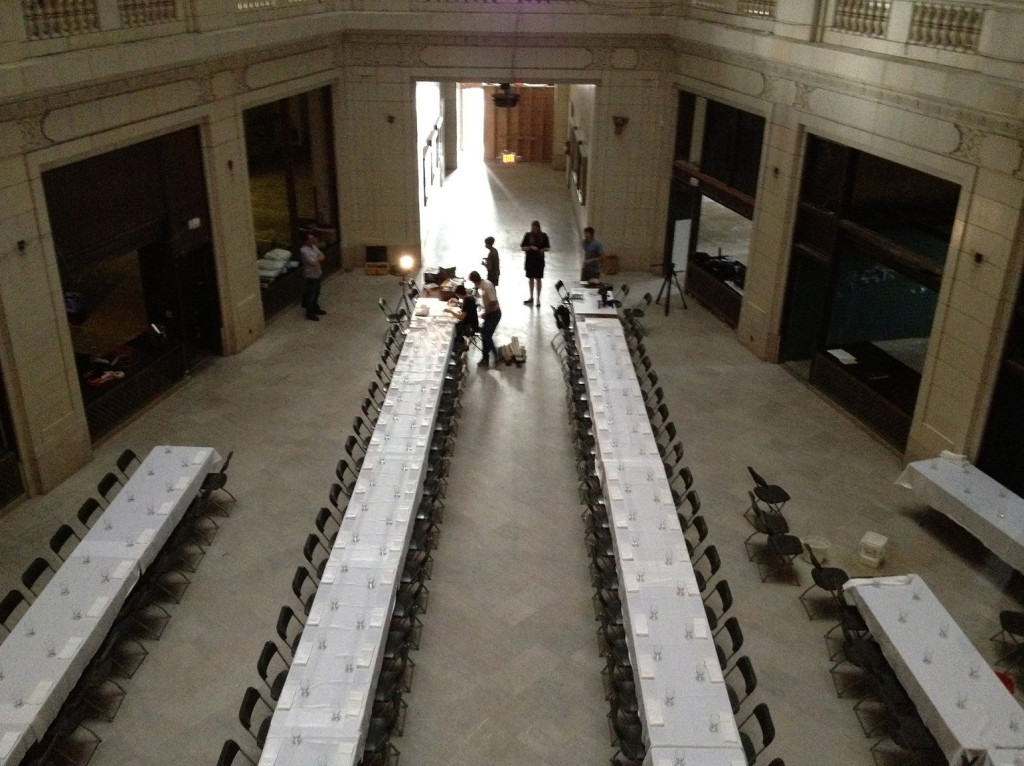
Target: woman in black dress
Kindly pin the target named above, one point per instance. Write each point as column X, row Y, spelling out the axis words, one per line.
column 535, row 244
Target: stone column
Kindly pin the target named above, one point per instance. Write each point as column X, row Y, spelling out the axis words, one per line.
column 234, row 239
column 378, row 162
column 35, row 344
column 979, row 287
column 450, row 108
column 778, row 183
column 630, row 172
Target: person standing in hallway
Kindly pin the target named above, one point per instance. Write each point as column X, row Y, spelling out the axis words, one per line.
column 535, row 244
column 593, row 251
column 312, row 271
column 491, row 313
column 491, row 262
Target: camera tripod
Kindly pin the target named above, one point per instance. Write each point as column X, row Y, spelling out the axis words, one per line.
column 666, row 288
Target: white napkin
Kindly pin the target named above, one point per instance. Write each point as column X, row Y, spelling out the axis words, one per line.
column 287, row 696
column 727, row 727
column 621, row 522
column 182, row 483
column 365, row 656
column 646, row 663
column 376, row 618
column 343, row 757
column 269, row 755
column 39, row 694
column 714, row 671
column 387, row 579
column 123, row 569
column 355, row 703
column 146, row 536
column 700, row 627
column 98, row 606
column 200, row 456
column 652, row 709
column 302, row 655
column 360, row 488
column 70, row 648
column 7, row 743
column 316, row 614
column 395, row 545
column 954, row 457
column 614, row 492
column 626, row 554
column 330, row 573
column 640, row 625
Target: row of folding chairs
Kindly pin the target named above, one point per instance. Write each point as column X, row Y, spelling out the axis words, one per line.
column 883, row 708
column 100, row 690
column 404, row 631
column 625, row 726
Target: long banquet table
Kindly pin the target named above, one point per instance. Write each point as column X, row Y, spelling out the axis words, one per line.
column 974, row 500
column 959, row 698
column 46, row 653
column 323, row 714
column 680, row 688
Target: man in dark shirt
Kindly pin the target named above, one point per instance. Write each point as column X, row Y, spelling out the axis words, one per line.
column 463, row 308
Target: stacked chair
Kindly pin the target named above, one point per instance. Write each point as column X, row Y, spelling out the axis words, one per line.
column 620, row 682
column 776, row 549
column 100, row 691
column 395, row 677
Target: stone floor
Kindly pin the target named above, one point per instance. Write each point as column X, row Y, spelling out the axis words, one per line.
column 508, row 672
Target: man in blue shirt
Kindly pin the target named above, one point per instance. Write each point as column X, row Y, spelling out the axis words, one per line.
column 592, row 253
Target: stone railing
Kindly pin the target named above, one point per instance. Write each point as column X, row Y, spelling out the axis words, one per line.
column 138, row 13
column 862, row 17
column 763, row 8
column 47, row 19
column 940, row 25
column 51, row 19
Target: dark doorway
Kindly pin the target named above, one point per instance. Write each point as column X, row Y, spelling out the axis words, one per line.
column 290, row 156
column 132, row 235
column 11, row 487
column 869, row 247
column 723, row 185
column 1001, row 455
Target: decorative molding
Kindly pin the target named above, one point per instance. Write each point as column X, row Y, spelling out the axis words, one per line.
column 969, row 148
column 1019, row 172
column 806, row 81
column 32, row 137
column 802, row 100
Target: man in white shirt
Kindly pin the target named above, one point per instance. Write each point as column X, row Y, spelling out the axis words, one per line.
column 491, row 313
column 312, row 271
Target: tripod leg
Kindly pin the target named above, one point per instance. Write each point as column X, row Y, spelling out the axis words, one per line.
column 675, row 279
column 664, row 284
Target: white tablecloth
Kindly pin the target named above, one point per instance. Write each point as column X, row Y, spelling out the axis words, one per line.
column 682, row 696
column 589, row 304
column 43, row 658
column 963, row 703
column 975, row 501
column 324, row 711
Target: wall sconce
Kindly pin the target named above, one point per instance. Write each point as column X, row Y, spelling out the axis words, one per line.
column 620, row 124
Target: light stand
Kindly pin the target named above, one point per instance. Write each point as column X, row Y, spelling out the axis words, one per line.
column 405, row 264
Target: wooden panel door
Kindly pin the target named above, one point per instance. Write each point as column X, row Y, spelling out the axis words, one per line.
column 526, row 129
